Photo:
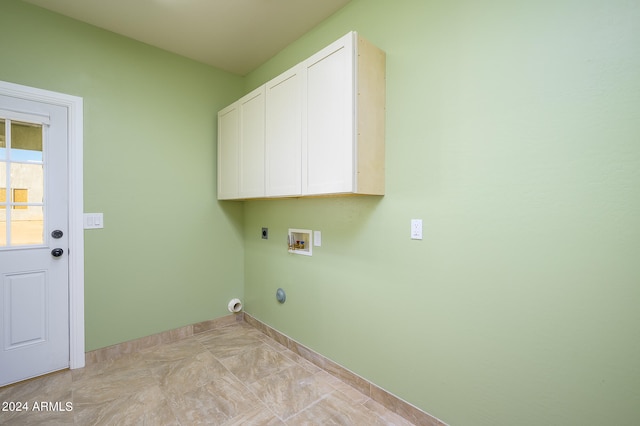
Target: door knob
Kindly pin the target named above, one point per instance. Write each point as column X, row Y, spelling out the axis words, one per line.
column 57, row 252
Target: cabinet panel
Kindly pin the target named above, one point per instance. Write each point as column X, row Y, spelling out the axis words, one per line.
column 241, row 148
column 328, row 120
column 284, row 134
column 251, row 151
column 228, row 148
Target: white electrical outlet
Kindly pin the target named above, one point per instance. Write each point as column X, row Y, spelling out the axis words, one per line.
column 416, row 229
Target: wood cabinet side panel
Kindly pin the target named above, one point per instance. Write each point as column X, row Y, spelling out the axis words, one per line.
column 371, row 100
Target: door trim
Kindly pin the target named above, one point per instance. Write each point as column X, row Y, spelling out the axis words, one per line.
column 74, row 105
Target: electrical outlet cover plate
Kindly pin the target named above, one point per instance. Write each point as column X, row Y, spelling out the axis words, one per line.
column 416, row 229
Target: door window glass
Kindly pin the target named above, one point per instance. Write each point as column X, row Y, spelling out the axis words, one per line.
column 21, row 184
column 3, row 144
column 3, row 185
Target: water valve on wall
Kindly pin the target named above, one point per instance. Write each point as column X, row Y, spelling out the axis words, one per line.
column 299, row 241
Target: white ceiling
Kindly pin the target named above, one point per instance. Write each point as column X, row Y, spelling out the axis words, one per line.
column 233, row 35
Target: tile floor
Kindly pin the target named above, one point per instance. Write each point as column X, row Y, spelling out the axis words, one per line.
column 233, row 375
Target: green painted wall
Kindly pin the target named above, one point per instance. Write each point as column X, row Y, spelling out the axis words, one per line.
column 513, row 131
column 170, row 254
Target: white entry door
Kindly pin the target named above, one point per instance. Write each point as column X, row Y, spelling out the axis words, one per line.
column 34, row 223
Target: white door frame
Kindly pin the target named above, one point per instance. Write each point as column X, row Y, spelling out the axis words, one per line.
column 74, row 105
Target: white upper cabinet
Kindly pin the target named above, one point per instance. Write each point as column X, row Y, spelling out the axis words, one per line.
column 283, row 152
column 323, row 128
column 251, row 154
column 344, row 119
column 241, row 148
column 328, row 120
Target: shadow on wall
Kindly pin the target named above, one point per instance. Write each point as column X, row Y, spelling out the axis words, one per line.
column 234, row 213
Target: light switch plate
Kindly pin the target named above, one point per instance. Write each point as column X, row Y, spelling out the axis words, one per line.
column 93, row 220
column 317, row 238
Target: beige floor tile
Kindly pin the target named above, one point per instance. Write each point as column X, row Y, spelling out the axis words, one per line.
column 301, row 361
column 336, row 409
column 185, row 374
column 108, row 387
column 389, row 417
column 230, row 376
column 214, row 403
column 256, row 363
column 172, row 351
column 290, row 391
column 137, row 408
column 224, row 343
column 54, row 388
column 349, row 392
column 51, row 387
column 32, row 418
column 130, row 362
column 257, row 416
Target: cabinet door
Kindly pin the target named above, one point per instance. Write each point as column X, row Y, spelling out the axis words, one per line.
column 284, row 134
column 228, row 144
column 251, row 149
column 328, row 119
